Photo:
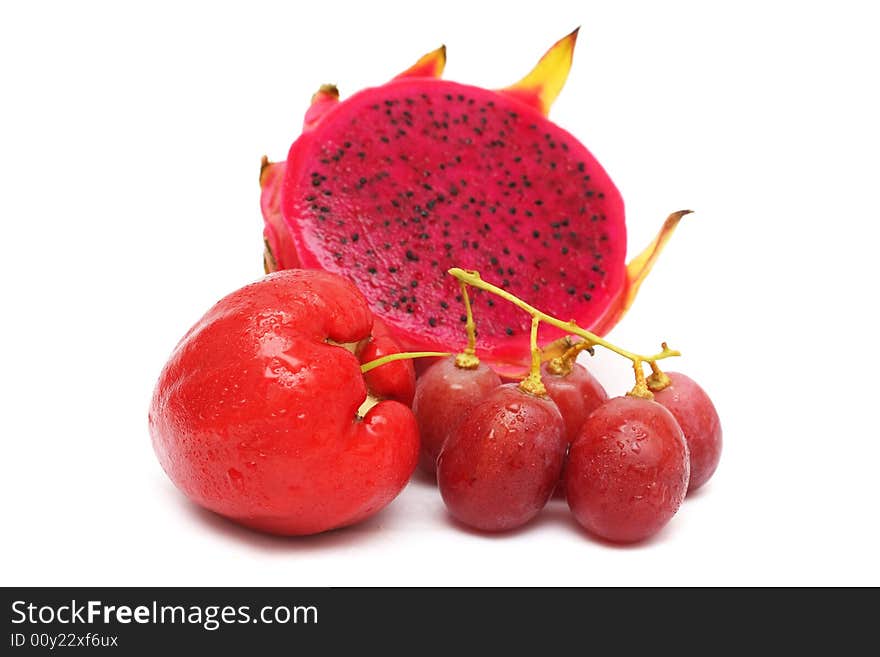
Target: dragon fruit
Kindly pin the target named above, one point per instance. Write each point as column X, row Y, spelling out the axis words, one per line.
column 400, row 182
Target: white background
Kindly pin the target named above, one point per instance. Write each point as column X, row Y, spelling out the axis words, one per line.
column 130, row 142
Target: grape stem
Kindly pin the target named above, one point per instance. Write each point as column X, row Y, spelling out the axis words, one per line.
column 467, row 359
column 658, row 379
column 641, row 388
column 532, row 384
column 563, row 364
column 405, row 355
column 474, row 279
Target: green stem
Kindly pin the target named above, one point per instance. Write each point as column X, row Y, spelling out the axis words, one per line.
column 641, row 387
column 406, row 355
column 467, row 359
column 658, row 380
column 532, row 383
column 473, row 278
column 470, row 326
column 563, row 365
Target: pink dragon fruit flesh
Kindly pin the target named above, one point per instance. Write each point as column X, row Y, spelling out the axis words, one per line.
column 398, row 183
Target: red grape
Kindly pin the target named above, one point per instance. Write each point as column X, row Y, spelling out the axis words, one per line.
column 698, row 419
column 499, row 467
column 445, row 394
column 422, row 365
column 577, row 394
column 627, row 472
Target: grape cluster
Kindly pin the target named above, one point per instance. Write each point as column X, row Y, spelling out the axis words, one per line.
column 624, row 464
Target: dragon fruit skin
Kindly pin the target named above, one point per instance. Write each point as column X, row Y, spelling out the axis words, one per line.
column 398, row 183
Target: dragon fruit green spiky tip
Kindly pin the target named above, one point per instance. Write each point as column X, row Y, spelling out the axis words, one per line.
column 544, row 82
column 637, row 271
column 428, row 66
column 322, row 100
column 398, row 183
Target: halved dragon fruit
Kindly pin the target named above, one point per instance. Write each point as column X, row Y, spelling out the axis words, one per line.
column 400, row 182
